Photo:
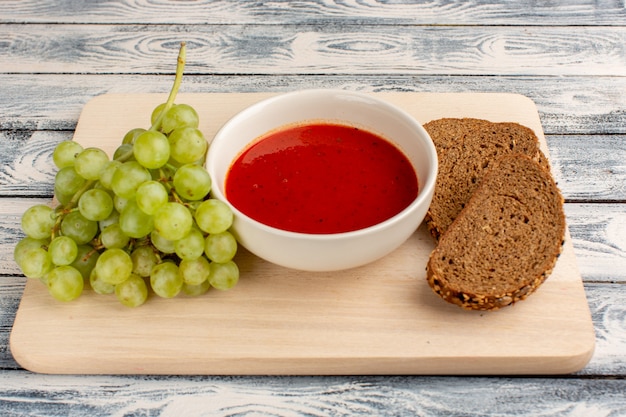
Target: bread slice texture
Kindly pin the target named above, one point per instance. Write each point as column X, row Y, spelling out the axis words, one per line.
column 466, row 148
column 505, row 242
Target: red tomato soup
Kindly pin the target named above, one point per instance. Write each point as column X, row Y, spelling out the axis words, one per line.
column 321, row 179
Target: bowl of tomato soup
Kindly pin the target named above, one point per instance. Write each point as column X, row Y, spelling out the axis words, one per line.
column 323, row 180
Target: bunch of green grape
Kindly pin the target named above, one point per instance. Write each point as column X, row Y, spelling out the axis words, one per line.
column 140, row 220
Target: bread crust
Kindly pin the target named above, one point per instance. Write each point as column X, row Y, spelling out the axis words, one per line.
column 462, row 286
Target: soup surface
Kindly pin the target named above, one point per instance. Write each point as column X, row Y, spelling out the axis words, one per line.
column 321, row 179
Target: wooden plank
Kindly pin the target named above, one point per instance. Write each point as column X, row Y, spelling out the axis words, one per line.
column 606, row 301
column 597, row 233
column 587, row 168
column 599, row 242
column 28, row 394
column 475, row 12
column 315, row 49
column 26, row 166
column 11, row 289
column 567, row 105
column 380, row 318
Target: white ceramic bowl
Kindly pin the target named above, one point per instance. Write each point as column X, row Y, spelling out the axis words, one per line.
column 326, row 252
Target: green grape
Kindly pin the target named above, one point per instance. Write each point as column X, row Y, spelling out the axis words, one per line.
column 192, row 182
column 133, row 292
column 114, row 266
column 124, row 153
column 98, row 285
column 134, row 222
column 63, row 250
column 38, row 221
column 86, row 259
column 151, row 149
column 195, row 271
column 113, row 237
column 178, row 116
column 128, row 177
column 163, row 245
column 26, row 244
column 165, row 280
column 65, row 283
column 95, row 204
column 187, row 145
column 213, row 216
column 113, row 218
column 196, row 290
column 62, row 197
column 131, row 135
column 191, row 246
column 150, row 196
column 106, row 175
column 119, row 203
column 67, row 181
column 76, row 226
column 173, row 221
column 35, row 262
column 144, row 259
column 65, row 153
column 224, row 276
column 157, row 112
column 90, row 162
column 220, row 247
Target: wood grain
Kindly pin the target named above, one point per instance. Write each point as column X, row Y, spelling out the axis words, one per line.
column 172, row 396
column 599, row 238
column 607, row 303
column 587, row 168
column 315, row 49
column 597, row 232
column 475, row 12
column 567, row 105
column 11, row 289
column 26, row 166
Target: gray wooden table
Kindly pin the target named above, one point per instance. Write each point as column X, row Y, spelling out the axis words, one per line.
column 567, row 56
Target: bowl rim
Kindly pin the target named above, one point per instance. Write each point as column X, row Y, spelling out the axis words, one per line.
column 423, row 193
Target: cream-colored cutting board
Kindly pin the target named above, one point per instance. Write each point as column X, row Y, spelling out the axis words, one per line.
column 378, row 319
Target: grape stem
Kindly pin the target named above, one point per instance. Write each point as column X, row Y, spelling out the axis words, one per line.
column 74, row 201
column 125, row 156
column 180, row 67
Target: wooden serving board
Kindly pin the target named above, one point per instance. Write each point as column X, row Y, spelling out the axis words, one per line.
column 381, row 318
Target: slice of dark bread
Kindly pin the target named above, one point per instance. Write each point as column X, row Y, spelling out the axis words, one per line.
column 505, row 242
column 465, row 149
